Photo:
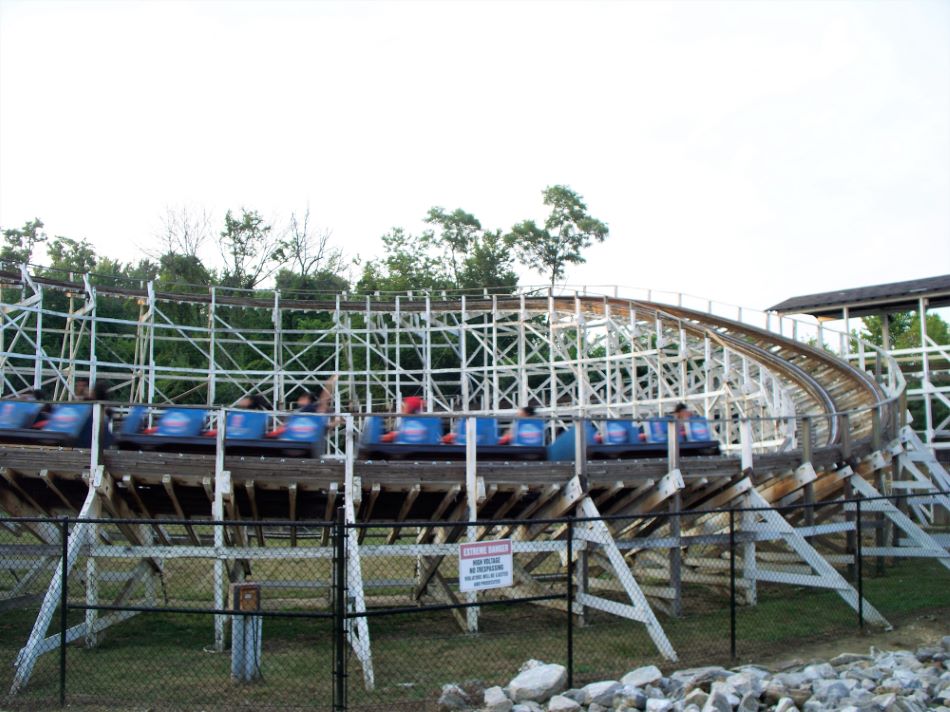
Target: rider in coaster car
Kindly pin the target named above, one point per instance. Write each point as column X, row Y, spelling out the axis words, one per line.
column 248, row 402
column 308, row 403
column 410, row 406
column 524, row 412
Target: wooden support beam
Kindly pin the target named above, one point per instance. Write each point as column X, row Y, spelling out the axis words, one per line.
column 118, row 508
column 292, row 496
column 50, row 480
column 450, row 496
column 252, row 496
column 445, row 592
column 546, row 494
column 15, row 506
column 609, row 493
column 623, row 504
column 130, row 486
column 328, row 513
column 240, row 532
column 368, row 509
column 169, row 486
column 407, row 503
column 11, row 478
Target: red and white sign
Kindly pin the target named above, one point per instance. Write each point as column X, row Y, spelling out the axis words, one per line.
column 484, row 565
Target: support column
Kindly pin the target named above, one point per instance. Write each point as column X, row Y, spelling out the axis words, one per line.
column 471, row 496
column 675, row 504
column 217, row 514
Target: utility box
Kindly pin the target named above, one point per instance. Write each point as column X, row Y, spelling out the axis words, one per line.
column 246, row 631
column 245, row 597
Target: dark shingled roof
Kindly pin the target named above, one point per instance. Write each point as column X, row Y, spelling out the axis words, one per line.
column 863, row 301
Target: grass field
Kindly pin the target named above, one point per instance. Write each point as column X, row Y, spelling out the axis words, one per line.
column 161, row 661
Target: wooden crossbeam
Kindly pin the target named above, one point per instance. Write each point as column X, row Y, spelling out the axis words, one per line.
column 450, row 496
column 11, row 477
column 169, row 486
column 252, row 496
column 292, row 497
column 118, row 508
column 407, row 503
column 328, row 513
column 368, row 509
column 50, row 480
column 130, row 486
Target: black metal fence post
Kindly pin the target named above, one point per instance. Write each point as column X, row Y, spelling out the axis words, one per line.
column 732, row 583
column 339, row 612
column 859, row 569
column 63, row 605
column 570, row 603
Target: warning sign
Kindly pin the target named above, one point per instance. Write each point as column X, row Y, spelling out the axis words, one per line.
column 485, row 564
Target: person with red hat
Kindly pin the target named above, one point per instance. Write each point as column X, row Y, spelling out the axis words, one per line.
column 410, row 405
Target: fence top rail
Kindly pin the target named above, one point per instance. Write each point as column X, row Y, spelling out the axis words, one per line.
column 478, row 522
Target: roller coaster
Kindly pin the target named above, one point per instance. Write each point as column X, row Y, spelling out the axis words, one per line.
column 778, row 419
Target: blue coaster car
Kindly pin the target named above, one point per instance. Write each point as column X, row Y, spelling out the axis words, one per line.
column 183, row 430
column 67, row 424
column 420, row 437
column 623, row 439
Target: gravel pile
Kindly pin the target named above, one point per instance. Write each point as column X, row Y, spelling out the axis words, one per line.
column 881, row 681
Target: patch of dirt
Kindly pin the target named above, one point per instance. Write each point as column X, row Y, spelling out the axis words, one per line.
column 909, row 634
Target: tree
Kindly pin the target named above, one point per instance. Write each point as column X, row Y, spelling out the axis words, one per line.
column 460, row 231
column 568, row 230
column 409, row 264
column 249, row 248
column 184, row 231
column 488, row 264
column 904, row 330
column 19, row 243
column 69, row 255
column 898, row 324
column 308, row 252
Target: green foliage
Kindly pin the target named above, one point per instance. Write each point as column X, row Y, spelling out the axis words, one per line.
column 488, row 264
column 459, row 233
column 19, row 243
column 904, row 329
column 409, row 263
column 69, row 255
column 249, row 248
column 568, row 230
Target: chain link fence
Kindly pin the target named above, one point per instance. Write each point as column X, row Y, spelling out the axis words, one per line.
column 381, row 615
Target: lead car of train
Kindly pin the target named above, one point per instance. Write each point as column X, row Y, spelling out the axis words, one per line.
column 415, row 437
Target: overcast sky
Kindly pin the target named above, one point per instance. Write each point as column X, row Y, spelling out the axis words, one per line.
column 745, row 152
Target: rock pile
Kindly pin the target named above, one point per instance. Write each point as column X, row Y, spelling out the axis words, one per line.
column 896, row 681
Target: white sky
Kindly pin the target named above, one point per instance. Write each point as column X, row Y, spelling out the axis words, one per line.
column 746, row 151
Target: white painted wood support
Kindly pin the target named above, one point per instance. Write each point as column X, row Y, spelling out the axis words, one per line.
column 825, row 575
column 745, row 440
column 926, row 545
column 222, row 486
column 92, row 566
column 79, row 536
column 357, row 630
column 471, row 496
column 595, row 532
column 749, row 569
